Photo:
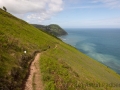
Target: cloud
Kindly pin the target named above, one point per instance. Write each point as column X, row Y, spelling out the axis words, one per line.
column 87, row 4
column 109, row 3
column 86, row 7
column 39, row 10
column 111, row 22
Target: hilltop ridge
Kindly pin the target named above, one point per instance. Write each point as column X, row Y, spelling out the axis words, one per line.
column 62, row 66
column 53, row 29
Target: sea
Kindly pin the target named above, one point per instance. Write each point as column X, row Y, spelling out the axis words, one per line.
column 101, row 44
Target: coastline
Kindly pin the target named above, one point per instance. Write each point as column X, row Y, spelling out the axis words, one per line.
column 102, row 53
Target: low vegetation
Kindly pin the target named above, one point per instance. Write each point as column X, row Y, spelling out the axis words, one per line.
column 62, row 66
column 16, row 36
column 65, row 68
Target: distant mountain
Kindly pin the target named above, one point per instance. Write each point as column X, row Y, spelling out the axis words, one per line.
column 52, row 29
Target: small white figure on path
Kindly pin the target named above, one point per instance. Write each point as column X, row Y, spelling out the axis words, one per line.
column 24, row 51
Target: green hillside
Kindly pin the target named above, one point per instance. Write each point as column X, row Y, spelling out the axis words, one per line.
column 62, row 66
column 53, row 29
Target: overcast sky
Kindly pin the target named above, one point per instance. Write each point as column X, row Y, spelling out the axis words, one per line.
column 67, row 13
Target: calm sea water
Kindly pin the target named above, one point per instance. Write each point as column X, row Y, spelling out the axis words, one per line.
column 101, row 44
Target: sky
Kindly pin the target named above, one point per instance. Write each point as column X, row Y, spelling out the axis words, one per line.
column 67, row 13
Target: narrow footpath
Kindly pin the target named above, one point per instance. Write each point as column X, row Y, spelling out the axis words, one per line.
column 34, row 81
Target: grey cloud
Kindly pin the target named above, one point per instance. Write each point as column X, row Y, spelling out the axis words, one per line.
column 33, row 9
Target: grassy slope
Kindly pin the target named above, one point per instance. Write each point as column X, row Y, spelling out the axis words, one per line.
column 80, row 67
column 15, row 37
column 63, row 67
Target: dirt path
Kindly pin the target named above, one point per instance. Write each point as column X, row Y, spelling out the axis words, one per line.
column 55, row 46
column 34, row 80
